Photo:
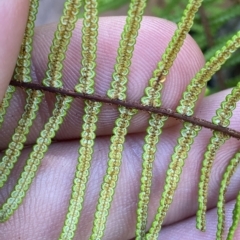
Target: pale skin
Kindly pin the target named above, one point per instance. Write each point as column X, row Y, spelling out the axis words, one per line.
column 43, row 211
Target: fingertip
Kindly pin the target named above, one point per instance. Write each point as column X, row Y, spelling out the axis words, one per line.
column 13, row 17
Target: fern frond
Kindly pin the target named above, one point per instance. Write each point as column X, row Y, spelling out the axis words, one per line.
column 236, row 218
column 113, row 170
column 90, row 118
column 22, row 74
column 125, row 50
column 22, row 69
column 230, row 169
column 223, row 115
column 89, row 48
column 118, row 91
column 62, row 37
column 19, row 137
column 216, row 141
column 188, row 133
column 187, row 104
column 150, row 102
column 156, row 122
column 60, row 43
column 5, row 103
column 154, row 130
column 34, row 160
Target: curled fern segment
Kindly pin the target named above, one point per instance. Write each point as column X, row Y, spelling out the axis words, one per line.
column 19, row 137
column 188, row 133
column 90, row 118
column 89, row 48
column 223, row 115
column 231, row 168
column 125, row 50
column 152, row 97
column 236, row 219
column 23, row 70
column 54, row 72
column 194, row 89
column 60, row 43
column 111, row 177
column 12, row 203
column 118, row 91
column 5, row 103
column 88, row 135
column 216, row 141
column 154, row 130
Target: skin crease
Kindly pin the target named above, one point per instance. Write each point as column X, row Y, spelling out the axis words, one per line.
column 43, row 211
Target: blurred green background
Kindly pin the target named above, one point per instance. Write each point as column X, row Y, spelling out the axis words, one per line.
column 215, row 23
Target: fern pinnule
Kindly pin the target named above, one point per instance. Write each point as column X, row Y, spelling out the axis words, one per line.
column 150, row 101
column 154, row 130
column 125, row 51
column 34, row 160
column 110, row 179
column 223, row 115
column 5, row 103
column 230, row 169
column 90, row 118
column 23, row 68
column 34, row 97
column 156, row 122
column 189, row 131
column 89, row 48
column 19, row 137
column 60, row 43
column 152, row 92
column 61, row 107
column 118, row 91
column 190, row 96
column 236, row 218
column 216, row 141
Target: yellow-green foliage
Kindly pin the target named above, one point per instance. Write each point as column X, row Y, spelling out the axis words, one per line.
column 117, row 92
column 214, row 24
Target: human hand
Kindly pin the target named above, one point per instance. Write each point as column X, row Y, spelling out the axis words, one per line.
column 42, row 213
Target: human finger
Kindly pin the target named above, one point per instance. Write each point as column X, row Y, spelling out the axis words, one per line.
column 13, row 17
column 148, row 52
column 187, row 228
column 52, row 185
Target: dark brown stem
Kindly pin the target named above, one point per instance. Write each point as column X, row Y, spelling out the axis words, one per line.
column 164, row 111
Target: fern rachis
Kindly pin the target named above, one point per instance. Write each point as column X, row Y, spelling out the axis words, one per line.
column 120, row 212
